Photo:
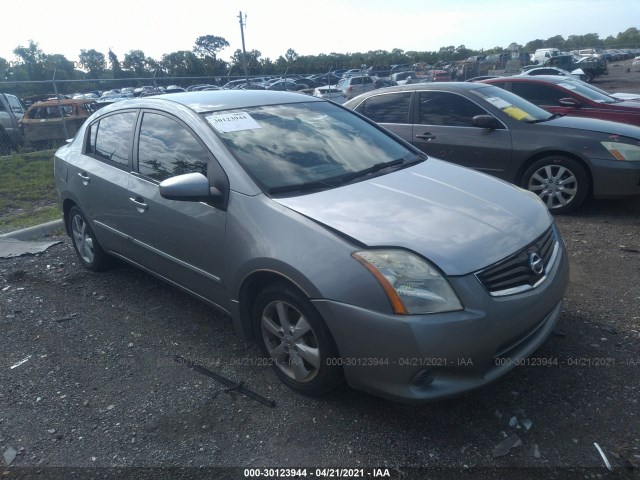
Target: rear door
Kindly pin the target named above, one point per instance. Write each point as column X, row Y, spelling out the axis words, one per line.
column 99, row 177
column 444, row 128
column 392, row 111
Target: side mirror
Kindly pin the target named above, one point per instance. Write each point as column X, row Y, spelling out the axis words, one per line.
column 190, row 187
column 486, row 121
column 570, row 102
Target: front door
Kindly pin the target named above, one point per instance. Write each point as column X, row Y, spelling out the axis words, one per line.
column 182, row 241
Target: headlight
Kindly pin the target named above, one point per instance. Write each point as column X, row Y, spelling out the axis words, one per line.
column 412, row 284
column 623, row 151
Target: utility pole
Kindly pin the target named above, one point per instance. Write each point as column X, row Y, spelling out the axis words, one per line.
column 244, row 52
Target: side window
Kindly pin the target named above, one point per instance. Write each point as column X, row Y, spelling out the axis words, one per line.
column 447, row 109
column 502, row 85
column 389, row 108
column 2, row 109
column 167, row 149
column 15, row 104
column 110, row 138
column 538, row 94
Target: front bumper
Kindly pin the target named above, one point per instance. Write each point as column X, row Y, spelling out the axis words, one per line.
column 615, row 178
column 416, row 358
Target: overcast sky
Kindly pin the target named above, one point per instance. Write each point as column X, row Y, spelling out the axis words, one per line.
column 309, row 27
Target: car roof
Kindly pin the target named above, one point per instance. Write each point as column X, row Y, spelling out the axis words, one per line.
column 218, row 100
column 531, row 78
column 62, row 101
column 452, row 86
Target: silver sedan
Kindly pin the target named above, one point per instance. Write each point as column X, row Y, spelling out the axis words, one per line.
column 345, row 252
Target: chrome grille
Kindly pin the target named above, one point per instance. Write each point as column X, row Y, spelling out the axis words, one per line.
column 514, row 274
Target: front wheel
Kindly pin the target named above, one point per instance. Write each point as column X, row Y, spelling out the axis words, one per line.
column 561, row 183
column 295, row 339
column 89, row 251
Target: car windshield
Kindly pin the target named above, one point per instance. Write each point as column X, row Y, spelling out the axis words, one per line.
column 587, row 92
column 304, row 144
column 586, row 85
column 516, row 107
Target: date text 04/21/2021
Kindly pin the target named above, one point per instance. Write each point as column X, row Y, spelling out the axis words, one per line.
column 317, row 472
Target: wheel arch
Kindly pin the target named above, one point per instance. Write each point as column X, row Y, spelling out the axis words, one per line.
column 251, row 286
column 549, row 153
column 67, row 205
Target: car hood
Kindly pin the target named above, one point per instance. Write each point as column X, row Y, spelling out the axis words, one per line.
column 459, row 219
column 596, row 125
column 626, row 96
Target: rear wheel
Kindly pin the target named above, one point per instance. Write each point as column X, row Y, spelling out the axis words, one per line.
column 89, row 251
column 561, row 183
column 295, row 339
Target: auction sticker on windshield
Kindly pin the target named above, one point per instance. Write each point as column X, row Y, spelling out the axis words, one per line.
column 507, row 108
column 498, row 102
column 232, row 122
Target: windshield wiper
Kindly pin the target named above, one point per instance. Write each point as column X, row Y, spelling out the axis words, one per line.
column 334, row 182
column 379, row 166
column 551, row 117
column 303, row 187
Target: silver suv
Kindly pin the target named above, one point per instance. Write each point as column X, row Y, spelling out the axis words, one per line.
column 11, row 112
column 355, row 85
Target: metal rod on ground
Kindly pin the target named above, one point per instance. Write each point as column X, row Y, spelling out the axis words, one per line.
column 238, row 387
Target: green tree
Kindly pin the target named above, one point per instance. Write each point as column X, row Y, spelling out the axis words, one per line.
column 533, row 45
column 253, row 62
column 93, row 61
column 209, row 46
column 576, row 42
column 114, row 63
column 291, row 56
column 556, row 41
column 63, row 68
column 32, row 58
column 135, row 61
column 514, row 47
column 182, row 64
column 4, row 69
column 630, row 38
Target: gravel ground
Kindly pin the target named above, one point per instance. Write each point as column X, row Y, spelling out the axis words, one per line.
column 89, row 381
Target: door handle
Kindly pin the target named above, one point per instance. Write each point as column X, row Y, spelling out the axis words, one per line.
column 426, row 136
column 84, row 177
column 140, row 205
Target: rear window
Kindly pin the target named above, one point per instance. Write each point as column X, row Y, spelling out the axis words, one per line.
column 388, row 108
column 360, row 80
column 15, row 104
column 51, row 111
column 110, row 138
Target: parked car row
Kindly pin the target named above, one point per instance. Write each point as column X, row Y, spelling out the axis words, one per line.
column 563, row 156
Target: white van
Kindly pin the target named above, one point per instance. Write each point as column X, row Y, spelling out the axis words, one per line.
column 543, row 54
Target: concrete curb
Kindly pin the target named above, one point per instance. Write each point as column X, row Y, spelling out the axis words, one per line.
column 35, row 233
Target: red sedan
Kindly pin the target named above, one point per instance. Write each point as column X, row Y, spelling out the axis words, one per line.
column 570, row 97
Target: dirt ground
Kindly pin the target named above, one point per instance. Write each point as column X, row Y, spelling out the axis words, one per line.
column 90, row 387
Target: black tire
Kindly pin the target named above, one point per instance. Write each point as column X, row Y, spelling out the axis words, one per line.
column 89, row 251
column 293, row 336
column 561, row 183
